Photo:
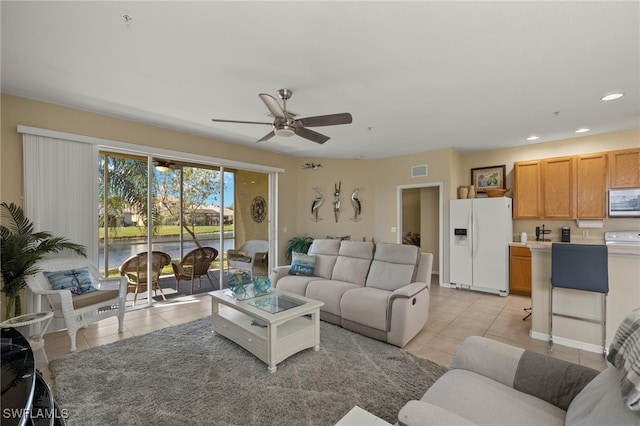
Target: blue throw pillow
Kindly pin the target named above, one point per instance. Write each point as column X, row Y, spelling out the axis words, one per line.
column 302, row 264
column 78, row 281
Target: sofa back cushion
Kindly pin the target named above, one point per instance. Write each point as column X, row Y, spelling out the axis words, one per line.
column 326, row 253
column 352, row 264
column 393, row 266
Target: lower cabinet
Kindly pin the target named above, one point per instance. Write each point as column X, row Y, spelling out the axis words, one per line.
column 520, row 270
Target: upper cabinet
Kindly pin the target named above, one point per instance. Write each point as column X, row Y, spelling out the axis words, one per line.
column 558, row 176
column 572, row 187
column 527, row 190
column 624, row 168
column 591, row 186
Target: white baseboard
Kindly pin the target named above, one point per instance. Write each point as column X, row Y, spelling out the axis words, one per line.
column 566, row 342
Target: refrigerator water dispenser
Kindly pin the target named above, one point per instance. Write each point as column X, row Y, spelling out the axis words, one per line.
column 460, row 236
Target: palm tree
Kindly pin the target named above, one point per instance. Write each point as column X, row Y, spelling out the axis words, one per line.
column 20, row 250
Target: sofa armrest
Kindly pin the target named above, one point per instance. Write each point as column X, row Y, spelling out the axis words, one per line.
column 419, row 413
column 409, row 290
column 114, row 283
column 277, row 273
column 489, row 358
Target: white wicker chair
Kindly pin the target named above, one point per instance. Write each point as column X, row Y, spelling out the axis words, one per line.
column 82, row 310
column 250, row 257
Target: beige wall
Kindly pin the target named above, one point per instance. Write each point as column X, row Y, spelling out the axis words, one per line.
column 378, row 179
column 249, row 185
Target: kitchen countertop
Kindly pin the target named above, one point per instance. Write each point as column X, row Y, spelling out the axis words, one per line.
column 613, row 248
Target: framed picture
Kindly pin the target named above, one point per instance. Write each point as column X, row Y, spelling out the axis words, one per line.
column 488, row 178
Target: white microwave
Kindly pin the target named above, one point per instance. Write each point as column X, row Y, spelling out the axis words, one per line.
column 624, row 203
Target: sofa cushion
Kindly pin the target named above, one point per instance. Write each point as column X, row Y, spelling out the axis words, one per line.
column 393, row 266
column 484, row 401
column 302, row 264
column 330, row 292
column 296, row 284
column 624, row 354
column 354, row 259
column 600, row 403
column 326, row 252
column 366, row 306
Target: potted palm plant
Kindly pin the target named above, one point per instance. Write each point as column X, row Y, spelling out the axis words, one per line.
column 299, row 244
column 20, row 250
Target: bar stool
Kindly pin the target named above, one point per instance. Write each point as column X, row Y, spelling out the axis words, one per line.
column 580, row 267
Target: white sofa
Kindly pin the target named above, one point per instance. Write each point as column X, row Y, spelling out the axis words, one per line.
column 491, row 383
column 378, row 290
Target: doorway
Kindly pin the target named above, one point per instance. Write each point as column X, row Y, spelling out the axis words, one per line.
column 420, row 220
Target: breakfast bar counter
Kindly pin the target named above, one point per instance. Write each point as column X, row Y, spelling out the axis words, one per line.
column 624, row 295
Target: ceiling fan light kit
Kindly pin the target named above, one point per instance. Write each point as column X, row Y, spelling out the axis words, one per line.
column 285, row 124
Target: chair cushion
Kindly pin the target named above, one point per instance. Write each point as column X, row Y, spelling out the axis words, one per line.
column 78, row 281
column 94, row 297
column 302, row 264
column 624, row 354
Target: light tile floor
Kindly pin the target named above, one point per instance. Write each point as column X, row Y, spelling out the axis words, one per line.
column 453, row 316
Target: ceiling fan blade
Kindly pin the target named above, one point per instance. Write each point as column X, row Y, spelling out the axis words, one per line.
column 240, row 122
column 267, row 137
column 326, row 120
column 311, row 135
column 273, row 105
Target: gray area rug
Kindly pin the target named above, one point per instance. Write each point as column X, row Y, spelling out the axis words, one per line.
column 186, row 375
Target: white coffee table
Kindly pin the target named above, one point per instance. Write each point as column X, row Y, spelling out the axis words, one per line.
column 286, row 323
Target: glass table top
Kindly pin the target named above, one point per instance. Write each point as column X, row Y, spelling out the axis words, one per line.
column 274, row 303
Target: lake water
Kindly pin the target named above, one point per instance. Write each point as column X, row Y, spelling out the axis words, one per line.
column 120, row 252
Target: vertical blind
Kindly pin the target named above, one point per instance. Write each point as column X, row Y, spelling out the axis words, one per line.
column 60, row 194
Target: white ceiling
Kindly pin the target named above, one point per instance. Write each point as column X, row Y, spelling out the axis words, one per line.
column 416, row 76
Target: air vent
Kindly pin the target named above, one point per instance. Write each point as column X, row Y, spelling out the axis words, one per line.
column 419, row 171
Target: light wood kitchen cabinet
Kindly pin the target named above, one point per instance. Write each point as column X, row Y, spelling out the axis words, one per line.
column 624, row 168
column 591, row 186
column 520, row 270
column 527, row 190
column 558, row 176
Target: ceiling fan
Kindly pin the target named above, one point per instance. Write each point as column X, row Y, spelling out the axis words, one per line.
column 285, row 123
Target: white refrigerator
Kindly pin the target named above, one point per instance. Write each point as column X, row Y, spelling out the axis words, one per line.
column 480, row 232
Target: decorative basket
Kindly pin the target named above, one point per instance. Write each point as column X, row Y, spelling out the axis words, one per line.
column 496, row 192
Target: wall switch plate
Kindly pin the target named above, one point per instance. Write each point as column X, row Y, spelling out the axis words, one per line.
column 393, row 229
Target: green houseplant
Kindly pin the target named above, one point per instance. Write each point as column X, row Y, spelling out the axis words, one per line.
column 300, row 244
column 20, row 250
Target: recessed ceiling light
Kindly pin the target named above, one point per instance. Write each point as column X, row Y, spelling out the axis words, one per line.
column 533, row 138
column 612, row 96
column 582, row 130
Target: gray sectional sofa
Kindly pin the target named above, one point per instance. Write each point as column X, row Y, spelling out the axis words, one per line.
column 378, row 290
column 491, row 383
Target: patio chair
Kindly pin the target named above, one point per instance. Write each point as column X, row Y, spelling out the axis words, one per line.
column 106, row 299
column 135, row 269
column 194, row 265
column 250, row 256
